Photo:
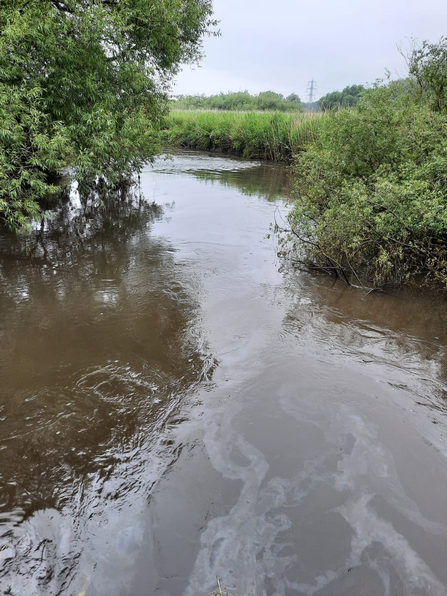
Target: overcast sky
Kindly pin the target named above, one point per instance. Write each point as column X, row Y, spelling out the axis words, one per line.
column 281, row 45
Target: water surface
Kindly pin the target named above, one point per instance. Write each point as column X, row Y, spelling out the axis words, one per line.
column 175, row 407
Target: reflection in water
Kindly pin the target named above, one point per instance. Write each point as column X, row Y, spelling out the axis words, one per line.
column 259, row 179
column 97, row 350
column 267, row 181
column 173, row 408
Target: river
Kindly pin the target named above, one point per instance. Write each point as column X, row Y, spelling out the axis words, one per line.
column 177, row 406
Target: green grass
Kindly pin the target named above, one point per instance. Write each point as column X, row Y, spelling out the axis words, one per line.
column 273, row 136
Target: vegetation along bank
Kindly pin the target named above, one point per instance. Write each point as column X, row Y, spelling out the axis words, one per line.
column 371, row 191
column 370, row 180
column 76, row 92
column 85, row 85
column 273, row 135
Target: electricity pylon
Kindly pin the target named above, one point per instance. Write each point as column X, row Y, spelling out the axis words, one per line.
column 312, row 87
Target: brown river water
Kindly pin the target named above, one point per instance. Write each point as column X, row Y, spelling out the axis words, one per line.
column 174, row 407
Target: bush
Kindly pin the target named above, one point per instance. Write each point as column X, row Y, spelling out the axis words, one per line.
column 372, row 191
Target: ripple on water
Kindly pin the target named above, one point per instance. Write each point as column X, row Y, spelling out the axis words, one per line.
column 174, row 408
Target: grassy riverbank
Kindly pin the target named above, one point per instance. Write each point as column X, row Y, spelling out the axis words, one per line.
column 370, row 181
column 273, row 136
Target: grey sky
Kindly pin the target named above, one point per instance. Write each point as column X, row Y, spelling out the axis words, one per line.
column 282, row 44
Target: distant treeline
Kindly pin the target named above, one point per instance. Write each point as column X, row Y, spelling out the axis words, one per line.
column 241, row 101
column 267, row 101
column 347, row 98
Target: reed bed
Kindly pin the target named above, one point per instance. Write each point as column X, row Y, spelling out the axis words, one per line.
column 274, row 136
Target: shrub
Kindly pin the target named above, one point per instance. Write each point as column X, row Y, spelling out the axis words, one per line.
column 371, row 193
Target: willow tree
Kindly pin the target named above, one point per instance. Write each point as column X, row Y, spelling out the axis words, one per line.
column 83, row 83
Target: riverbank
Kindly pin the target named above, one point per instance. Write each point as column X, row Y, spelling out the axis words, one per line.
column 371, row 192
column 272, row 136
column 370, row 202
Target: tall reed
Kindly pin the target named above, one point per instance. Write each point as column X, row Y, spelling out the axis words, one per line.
column 273, row 136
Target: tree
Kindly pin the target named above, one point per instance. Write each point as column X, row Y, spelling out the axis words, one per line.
column 267, row 101
column 83, row 83
column 428, row 67
column 347, row 98
column 294, row 98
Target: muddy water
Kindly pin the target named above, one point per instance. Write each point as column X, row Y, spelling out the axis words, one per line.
column 175, row 408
